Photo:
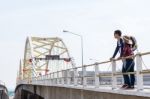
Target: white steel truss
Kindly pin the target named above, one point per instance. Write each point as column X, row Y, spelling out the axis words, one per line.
column 36, row 50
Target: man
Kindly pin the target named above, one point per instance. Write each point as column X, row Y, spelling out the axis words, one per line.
column 119, row 48
column 128, row 63
column 120, row 44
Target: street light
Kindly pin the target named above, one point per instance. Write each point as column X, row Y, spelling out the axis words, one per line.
column 83, row 69
column 81, row 37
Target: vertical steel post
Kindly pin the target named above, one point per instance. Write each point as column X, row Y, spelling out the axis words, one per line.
column 138, row 72
column 114, row 78
column 84, row 77
column 96, row 75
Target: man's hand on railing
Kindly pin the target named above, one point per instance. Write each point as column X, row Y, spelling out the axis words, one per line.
column 112, row 59
column 119, row 58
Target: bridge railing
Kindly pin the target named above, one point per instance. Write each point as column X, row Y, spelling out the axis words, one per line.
column 78, row 76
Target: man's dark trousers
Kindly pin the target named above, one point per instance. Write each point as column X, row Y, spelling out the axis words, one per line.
column 128, row 66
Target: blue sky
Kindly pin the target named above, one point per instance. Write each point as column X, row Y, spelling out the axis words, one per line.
column 94, row 19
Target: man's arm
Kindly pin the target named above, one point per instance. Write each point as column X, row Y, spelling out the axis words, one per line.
column 121, row 47
column 116, row 51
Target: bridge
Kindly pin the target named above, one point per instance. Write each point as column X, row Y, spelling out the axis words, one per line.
column 47, row 71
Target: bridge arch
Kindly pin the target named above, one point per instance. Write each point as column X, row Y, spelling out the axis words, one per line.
column 45, row 55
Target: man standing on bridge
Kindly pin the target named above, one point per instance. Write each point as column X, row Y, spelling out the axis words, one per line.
column 119, row 48
column 128, row 64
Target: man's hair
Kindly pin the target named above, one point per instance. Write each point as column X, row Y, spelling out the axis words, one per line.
column 118, row 32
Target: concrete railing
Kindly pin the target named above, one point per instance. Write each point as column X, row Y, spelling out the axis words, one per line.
column 71, row 77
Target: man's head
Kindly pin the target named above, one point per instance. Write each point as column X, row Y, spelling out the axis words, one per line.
column 117, row 34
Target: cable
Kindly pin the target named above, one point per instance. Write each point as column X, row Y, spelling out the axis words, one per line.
column 146, row 67
column 144, row 64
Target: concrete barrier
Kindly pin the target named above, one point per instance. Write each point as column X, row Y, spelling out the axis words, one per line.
column 55, row 92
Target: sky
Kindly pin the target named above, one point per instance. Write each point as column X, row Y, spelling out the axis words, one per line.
column 95, row 20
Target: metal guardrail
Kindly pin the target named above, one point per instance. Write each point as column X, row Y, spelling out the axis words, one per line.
column 71, row 76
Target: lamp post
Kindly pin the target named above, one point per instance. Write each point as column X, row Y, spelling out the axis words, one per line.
column 81, row 37
column 82, row 54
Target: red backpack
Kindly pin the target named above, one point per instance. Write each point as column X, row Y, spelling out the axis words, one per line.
column 127, row 50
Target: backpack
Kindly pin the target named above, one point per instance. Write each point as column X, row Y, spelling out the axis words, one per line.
column 134, row 45
column 127, row 50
